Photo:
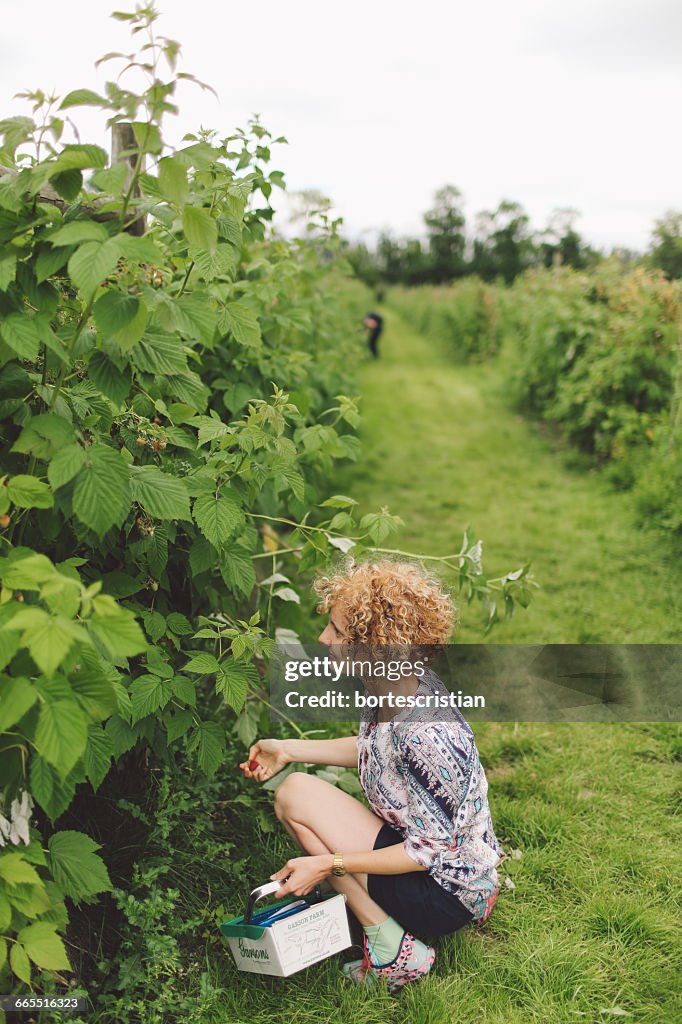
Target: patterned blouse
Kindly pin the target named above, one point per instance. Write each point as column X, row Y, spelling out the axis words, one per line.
column 421, row 773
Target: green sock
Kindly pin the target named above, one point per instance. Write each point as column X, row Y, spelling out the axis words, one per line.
column 384, row 939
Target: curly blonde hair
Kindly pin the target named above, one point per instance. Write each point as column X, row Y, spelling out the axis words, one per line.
column 389, row 602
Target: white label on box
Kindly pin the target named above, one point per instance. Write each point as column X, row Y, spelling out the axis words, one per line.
column 297, row 941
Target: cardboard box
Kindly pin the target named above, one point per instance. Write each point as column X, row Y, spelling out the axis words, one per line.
column 304, row 938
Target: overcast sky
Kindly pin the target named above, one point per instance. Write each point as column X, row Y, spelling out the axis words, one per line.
column 573, row 104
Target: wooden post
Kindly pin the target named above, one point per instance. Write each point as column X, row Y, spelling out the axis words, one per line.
column 122, row 143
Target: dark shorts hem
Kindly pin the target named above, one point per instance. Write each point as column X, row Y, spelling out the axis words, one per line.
column 415, row 899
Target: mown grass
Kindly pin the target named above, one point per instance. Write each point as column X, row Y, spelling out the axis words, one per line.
column 591, row 931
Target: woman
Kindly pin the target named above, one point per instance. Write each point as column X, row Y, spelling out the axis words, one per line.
column 421, row 858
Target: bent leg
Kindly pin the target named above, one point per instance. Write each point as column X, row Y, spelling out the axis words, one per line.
column 321, row 819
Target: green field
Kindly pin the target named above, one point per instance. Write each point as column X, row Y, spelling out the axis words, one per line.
column 591, row 930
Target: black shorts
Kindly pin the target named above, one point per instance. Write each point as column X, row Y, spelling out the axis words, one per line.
column 414, row 899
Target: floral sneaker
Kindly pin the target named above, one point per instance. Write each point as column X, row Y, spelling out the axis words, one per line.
column 488, row 907
column 412, row 962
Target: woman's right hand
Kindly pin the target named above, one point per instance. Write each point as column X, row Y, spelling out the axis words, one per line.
column 270, row 756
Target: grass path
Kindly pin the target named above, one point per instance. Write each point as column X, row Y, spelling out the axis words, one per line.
column 441, row 449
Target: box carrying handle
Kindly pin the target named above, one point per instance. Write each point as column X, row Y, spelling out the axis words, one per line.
column 258, row 894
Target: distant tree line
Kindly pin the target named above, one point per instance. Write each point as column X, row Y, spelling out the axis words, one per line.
column 502, row 246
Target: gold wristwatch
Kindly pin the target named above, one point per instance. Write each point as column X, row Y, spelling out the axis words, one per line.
column 337, row 867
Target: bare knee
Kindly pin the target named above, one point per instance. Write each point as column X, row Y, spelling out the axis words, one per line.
column 292, row 795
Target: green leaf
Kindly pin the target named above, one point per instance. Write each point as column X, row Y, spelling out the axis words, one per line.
column 160, row 494
column 157, row 550
column 230, row 229
column 49, row 638
column 149, row 693
column 61, row 734
column 242, row 323
column 116, row 629
column 178, row 725
column 76, row 868
column 115, row 310
column 91, row 263
column 97, row 756
column 173, row 180
column 218, row 518
column 202, row 664
column 202, row 556
column 9, row 645
column 210, row 428
column 16, row 870
column 237, row 570
column 133, row 331
column 108, row 378
column 200, row 228
column 65, row 464
column 17, row 696
column 338, row 501
column 29, row 492
column 159, row 354
column 26, row 569
column 154, row 624
column 147, row 136
column 79, row 157
column 179, row 624
column 289, row 475
column 44, row 435
column 247, row 725
column 190, row 390
column 79, row 231
column 5, row 915
column 101, row 495
column 50, row 261
column 122, row 737
column 112, row 179
column 233, row 681
column 196, row 316
column 43, row 945
column 30, row 900
column 8, row 269
column 67, row 183
column 138, row 249
column 91, row 686
column 222, row 263
column 22, row 334
column 20, row 963
column 52, row 793
column 185, row 690
column 82, row 98
column 208, row 739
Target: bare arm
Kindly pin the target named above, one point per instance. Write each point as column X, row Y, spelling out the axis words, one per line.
column 342, row 752
column 303, row 873
column 268, row 757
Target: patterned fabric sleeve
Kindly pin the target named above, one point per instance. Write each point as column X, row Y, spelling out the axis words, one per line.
column 436, row 762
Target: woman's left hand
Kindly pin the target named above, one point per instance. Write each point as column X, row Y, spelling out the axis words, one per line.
column 303, row 874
